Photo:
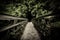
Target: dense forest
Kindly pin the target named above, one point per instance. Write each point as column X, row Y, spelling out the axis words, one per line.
column 15, row 14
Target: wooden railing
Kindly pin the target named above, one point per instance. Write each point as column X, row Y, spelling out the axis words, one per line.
column 6, row 17
column 11, row 26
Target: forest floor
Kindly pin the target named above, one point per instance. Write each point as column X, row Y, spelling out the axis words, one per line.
column 30, row 33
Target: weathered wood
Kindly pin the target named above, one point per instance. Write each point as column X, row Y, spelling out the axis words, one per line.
column 5, row 17
column 8, row 27
column 42, row 16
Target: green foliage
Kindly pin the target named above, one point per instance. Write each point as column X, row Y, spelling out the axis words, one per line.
column 19, row 9
column 13, row 10
column 56, row 24
column 37, row 8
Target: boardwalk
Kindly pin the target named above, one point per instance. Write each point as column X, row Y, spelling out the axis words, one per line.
column 30, row 33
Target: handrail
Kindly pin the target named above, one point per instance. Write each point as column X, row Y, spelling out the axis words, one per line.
column 8, row 27
column 45, row 15
column 5, row 17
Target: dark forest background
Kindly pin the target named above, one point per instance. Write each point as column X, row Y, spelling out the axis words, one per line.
column 45, row 15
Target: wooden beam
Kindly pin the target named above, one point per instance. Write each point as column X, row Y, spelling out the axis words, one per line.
column 8, row 27
column 42, row 16
column 5, row 17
